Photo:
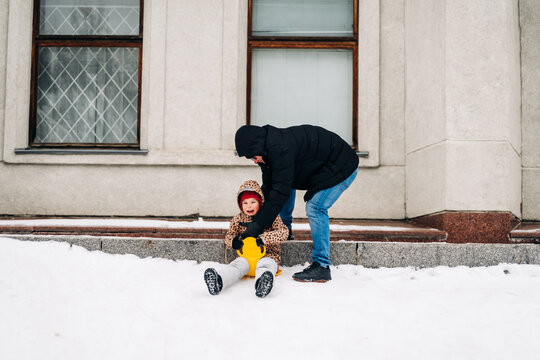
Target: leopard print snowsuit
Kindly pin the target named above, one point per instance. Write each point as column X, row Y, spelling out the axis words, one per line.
column 271, row 237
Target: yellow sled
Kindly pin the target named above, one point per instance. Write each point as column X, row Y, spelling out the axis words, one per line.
column 252, row 253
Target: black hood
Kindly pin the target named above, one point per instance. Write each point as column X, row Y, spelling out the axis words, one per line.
column 250, row 140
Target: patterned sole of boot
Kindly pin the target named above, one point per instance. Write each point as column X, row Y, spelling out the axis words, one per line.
column 264, row 284
column 211, row 280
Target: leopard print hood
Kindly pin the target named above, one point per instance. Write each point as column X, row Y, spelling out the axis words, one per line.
column 272, row 237
column 249, row 185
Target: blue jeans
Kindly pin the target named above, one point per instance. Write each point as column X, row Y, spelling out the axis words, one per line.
column 317, row 213
column 287, row 209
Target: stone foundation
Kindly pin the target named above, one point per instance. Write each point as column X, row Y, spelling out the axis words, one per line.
column 472, row 227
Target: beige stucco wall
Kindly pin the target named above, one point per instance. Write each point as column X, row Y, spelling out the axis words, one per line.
column 170, row 191
column 3, row 47
column 462, row 111
column 530, row 59
column 440, row 98
column 392, row 84
column 193, row 100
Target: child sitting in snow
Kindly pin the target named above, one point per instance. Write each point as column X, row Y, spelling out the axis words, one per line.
column 250, row 198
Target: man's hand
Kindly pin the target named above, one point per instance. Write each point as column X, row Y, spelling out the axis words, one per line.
column 237, row 242
column 252, row 229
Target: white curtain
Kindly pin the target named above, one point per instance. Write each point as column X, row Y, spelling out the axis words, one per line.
column 303, row 86
column 303, row 17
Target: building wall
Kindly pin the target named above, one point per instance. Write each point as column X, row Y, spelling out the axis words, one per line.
column 3, row 47
column 193, row 100
column 462, row 108
column 439, row 110
column 530, row 60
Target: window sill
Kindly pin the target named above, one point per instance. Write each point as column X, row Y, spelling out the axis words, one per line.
column 152, row 157
column 80, row 151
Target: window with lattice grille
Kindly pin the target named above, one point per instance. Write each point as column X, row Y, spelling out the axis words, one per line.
column 86, row 73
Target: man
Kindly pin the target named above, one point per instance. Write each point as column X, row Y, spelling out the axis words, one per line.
column 301, row 157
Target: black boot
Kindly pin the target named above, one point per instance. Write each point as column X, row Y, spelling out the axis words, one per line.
column 264, row 284
column 213, row 281
column 291, row 236
column 313, row 273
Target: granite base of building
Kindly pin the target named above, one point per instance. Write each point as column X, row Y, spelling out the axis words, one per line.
column 472, row 227
column 368, row 254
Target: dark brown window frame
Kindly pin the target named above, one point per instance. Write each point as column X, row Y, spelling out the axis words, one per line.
column 39, row 41
column 303, row 42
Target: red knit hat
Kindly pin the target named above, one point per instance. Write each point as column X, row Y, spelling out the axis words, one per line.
column 249, row 195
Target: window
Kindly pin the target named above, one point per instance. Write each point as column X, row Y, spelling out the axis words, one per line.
column 303, row 64
column 86, row 73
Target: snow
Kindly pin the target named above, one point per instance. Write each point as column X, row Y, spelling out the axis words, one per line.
column 97, row 222
column 529, row 231
column 167, row 224
column 63, row 302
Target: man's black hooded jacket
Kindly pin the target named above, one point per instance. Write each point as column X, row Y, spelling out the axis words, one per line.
column 303, row 157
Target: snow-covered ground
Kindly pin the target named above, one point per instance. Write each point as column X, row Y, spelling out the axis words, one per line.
column 61, row 302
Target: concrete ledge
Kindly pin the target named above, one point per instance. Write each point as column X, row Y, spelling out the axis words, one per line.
column 88, row 242
column 367, row 254
column 198, row 250
column 375, row 255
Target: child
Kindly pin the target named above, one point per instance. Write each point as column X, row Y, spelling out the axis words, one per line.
column 250, row 198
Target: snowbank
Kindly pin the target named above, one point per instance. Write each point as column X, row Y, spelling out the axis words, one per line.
column 61, row 302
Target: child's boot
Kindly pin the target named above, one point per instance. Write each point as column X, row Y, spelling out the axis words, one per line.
column 263, row 285
column 228, row 275
column 213, row 281
column 266, row 268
